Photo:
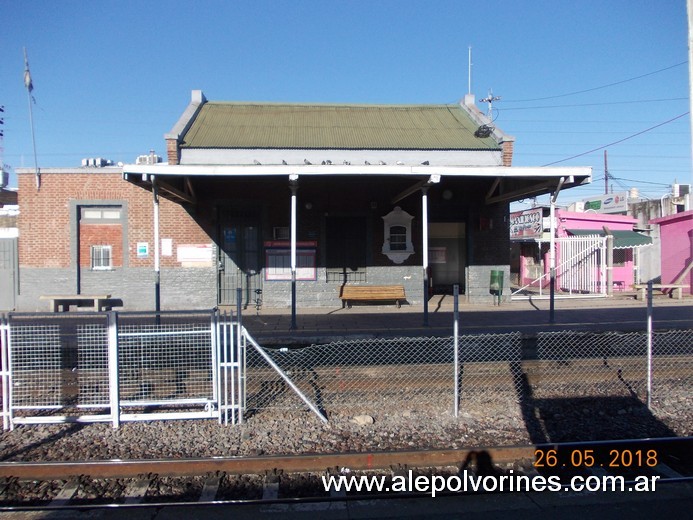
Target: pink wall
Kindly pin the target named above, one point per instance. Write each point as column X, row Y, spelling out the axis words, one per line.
column 676, row 234
column 571, row 220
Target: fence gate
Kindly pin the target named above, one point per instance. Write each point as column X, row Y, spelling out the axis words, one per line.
column 115, row 367
column 580, row 269
column 8, row 273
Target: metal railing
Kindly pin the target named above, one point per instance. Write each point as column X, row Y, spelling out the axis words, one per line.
column 115, row 367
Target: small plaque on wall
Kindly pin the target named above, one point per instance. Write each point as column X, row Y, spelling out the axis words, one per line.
column 142, row 249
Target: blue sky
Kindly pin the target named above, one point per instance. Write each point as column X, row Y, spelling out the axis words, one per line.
column 111, row 77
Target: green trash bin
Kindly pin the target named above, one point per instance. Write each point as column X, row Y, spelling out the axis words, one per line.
column 496, row 285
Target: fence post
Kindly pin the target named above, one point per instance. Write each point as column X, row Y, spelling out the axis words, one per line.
column 456, row 362
column 240, row 359
column 113, row 381
column 5, row 370
column 649, row 344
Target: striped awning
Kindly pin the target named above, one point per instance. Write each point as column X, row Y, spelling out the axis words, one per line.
column 623, row 239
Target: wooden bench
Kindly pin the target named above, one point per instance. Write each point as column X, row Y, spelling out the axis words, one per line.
column 372, row 293
column 98, row 302
column 674, row 289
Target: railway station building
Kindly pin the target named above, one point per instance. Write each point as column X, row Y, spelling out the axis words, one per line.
column 286, row 203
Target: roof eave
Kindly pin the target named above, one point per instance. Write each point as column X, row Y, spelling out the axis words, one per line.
column 188, row 117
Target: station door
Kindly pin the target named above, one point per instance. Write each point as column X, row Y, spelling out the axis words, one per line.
column 239, row 262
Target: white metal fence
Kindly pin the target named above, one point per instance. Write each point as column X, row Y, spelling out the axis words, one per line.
column 115, row 367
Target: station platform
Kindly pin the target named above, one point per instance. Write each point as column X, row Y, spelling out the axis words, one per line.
column 319, row 325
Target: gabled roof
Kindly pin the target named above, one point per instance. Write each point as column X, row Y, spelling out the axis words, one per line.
column 333, row 126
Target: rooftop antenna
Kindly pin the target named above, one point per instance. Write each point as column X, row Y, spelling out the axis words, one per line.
column 490, row 99
column 486, row 130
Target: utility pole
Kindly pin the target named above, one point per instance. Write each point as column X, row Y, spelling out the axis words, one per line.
column 606, row 175
column 689, row 8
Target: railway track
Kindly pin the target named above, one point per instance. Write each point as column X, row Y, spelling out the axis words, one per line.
column 69, row 485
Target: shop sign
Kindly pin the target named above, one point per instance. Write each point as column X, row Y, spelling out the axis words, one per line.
column 526, row 224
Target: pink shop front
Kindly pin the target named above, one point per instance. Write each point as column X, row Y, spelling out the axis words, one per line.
column 582, row 252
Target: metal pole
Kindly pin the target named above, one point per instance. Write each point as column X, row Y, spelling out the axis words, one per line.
column 552, row 261
column 552, row 252
column 5, row 374
column 239, row 327
column 294, row 188
column 424, row 219
column 157, row 266
column 649, row 344
column 287, row 379
column 689, row 9
column 609, row 263
column 456, row 362
column 113, row 381
column 29, row 87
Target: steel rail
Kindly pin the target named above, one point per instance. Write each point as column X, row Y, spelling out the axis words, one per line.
column 302, row 463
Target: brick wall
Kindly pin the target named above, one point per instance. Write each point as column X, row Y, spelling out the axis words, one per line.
column 508, row 147
column 172, row 152
column 49, row 232
column 100, row 235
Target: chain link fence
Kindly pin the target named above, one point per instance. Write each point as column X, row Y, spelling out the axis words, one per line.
column 135, row 366
column 367, row 375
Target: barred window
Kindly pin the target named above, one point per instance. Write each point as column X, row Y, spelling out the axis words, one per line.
column 398, row 238
column 101, row 257
column 620, row 257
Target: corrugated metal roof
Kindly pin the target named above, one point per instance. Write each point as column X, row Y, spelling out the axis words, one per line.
column 316, row 126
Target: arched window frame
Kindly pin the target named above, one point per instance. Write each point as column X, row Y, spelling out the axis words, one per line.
column 394, row 223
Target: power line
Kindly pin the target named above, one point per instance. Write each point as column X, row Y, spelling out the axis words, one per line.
column 597, row 88
column 576, row 105
column 620, row 140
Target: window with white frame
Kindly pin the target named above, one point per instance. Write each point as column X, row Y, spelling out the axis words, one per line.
column 101, row 213
column 101, row 257
column 397, row 232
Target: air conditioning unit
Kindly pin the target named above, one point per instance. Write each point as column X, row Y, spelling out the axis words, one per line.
column 681, row 190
